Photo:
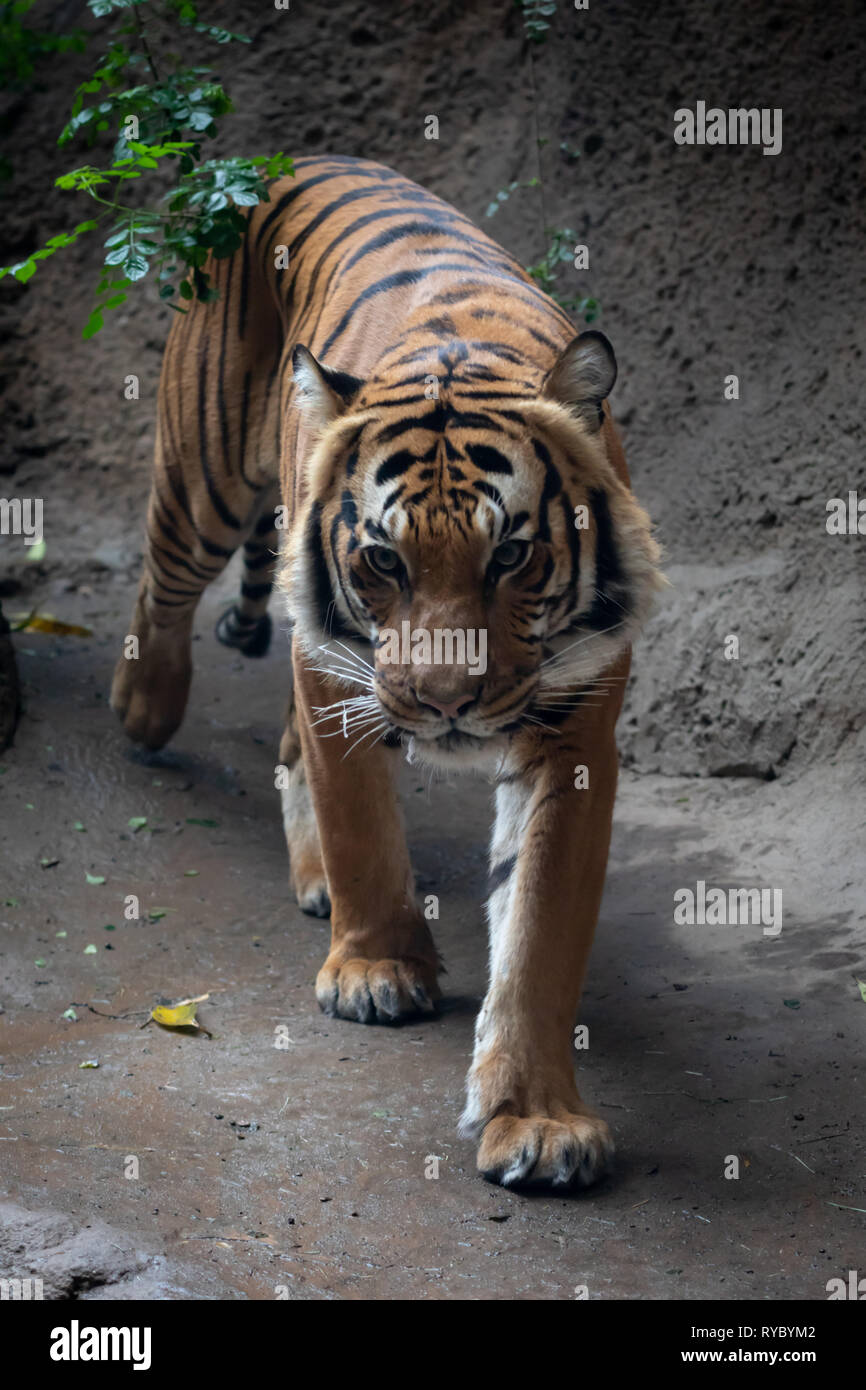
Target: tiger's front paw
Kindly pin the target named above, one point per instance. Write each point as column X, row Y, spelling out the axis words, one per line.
column 376, row 991
column 566, row 1151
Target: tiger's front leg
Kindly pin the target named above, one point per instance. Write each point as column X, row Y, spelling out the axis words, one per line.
column 382, row 965
column 548, row 861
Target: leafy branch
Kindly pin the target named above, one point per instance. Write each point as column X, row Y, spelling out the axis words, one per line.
column 562, row 241
column 159, row 122
column 546, row 270
column 536, row 13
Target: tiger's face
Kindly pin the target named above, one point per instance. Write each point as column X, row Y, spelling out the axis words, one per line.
column 469, row 569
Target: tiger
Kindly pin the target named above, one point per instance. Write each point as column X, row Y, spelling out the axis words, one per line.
column 384, row 389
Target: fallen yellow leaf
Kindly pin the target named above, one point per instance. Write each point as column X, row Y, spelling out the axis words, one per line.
column 32, row 622
column 180, row 1014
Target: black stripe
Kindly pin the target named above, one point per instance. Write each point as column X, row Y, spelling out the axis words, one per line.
column 345, row 588
column 344, row 239
column 395, row 466
column 245, row 285
column 167, row 589
column 552, row 485
column 288, row 198
column 434, row 420
column 199, row 573
column 208, row 546
column 402, row 233
column 354, row 195
column 253, row 561
column 605, row 610
column 390, row 282
column 225, row 515
column 255, row 591
column 221, row 394
column 392, row 497
column 500, row 873
column 482, row 395
column 324, row 595
column 541, row 583
column 573, row 535
column 488, row 459
column 326, row 604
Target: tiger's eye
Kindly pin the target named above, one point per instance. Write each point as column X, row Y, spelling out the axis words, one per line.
column 509, row 554
column 381, row 557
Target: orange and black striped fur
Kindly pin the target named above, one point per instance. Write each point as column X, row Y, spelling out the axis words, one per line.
column 439, row 441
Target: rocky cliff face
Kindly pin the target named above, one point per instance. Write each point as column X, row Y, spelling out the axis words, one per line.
column 709, row 262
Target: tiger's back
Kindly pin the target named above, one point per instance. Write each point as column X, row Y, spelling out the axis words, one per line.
column 354, row 261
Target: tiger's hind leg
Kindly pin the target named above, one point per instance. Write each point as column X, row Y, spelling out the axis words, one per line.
column 247, row 624
column 215, row 464
column 152, row 677
column 307, row 872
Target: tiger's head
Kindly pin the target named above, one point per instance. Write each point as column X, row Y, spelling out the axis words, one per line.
column 466, row 561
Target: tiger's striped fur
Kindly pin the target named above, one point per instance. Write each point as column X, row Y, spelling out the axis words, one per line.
column 442, row 446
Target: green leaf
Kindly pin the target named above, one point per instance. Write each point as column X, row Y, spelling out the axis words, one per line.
column 93, row 325
column 135, row 267
column 94, row 878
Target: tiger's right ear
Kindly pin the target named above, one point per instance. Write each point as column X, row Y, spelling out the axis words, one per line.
column 324, row 393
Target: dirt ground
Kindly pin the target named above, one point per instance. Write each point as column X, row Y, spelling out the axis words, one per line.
column 706, row 1044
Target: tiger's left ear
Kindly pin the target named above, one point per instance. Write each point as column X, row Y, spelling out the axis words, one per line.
column 583, row 377
column 323, row 392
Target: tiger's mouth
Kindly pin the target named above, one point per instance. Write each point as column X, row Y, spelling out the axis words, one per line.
column 452, row 747
column 447, row 741
column 456, row 741
column 449, row 737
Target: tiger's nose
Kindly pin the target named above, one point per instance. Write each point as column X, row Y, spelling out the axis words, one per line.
column 449, row 710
